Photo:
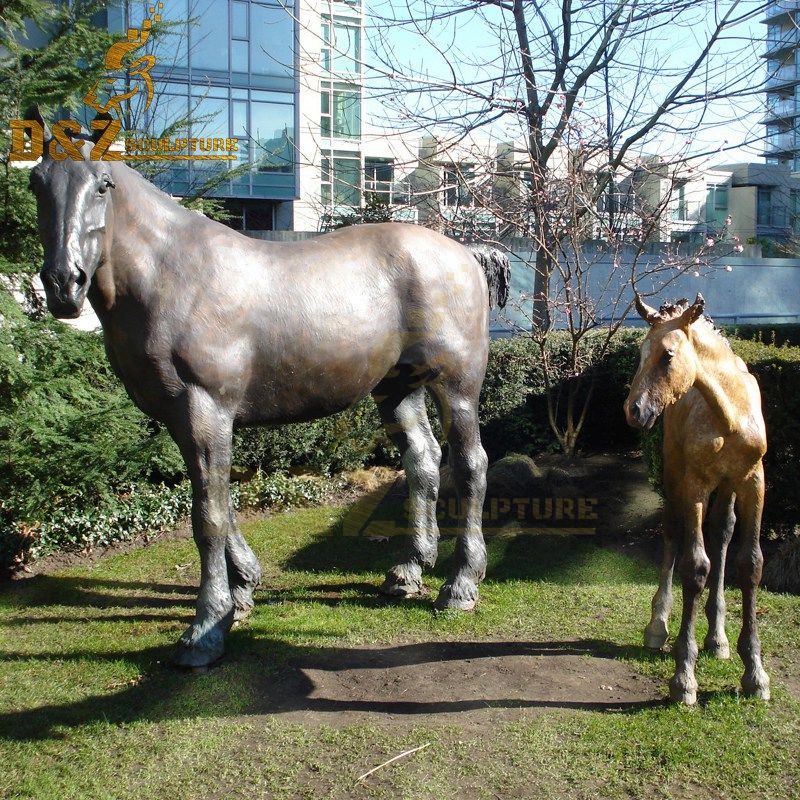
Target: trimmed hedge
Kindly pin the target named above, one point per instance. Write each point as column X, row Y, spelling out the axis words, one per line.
column 72, row 444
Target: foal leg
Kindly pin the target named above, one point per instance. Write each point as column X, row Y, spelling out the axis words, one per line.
column 657, row 630
column 749, row 504
column 406, row 421
column 468, row 462
column 694, row 567
column 720, row 524
column 203, row 431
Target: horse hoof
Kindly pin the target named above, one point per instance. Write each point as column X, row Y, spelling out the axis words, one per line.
column 717, row 649
column 458, row 596
column 199, row 649
column 402, row 581
column 681, row 693
column 757, row 687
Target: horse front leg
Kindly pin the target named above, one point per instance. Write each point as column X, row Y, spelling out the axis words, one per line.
column 657, row 631
column 694, row 567
column 720, row 524
column 203, row 431
column 749, row 505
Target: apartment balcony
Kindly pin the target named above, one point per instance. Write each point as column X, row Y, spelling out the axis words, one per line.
column 785, row 108
column 780, row 143
column 779, row 8
column 787, row 75
column 785, row 40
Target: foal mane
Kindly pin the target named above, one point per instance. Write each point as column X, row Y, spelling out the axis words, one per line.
column 703, row 326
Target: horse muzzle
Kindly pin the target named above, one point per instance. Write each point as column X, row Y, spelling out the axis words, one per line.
column 641, row 414
column 65, row 290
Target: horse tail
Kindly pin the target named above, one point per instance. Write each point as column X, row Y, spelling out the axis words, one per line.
column 497, row 269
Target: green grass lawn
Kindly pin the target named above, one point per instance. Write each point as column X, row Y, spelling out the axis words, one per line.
column 89, row 707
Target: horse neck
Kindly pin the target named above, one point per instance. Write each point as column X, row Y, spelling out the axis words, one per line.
column 145, row 220
column 719, row 378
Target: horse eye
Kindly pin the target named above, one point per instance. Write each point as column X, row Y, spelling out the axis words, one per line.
column 668, row 355
column 105, row 184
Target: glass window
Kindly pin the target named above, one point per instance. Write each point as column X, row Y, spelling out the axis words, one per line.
column 378, row 177
column 239, row 118
column 271, row 40
column 764, row 206
column 346, row 180
column 239, row 20
column 346, row 46
column 209, row 35
column 272, row 130
column 209, row 116
column 240, row 56
column 346, row 116
column 168, row 113
column 456, row 181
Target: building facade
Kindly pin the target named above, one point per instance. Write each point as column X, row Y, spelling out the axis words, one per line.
column 782, row 54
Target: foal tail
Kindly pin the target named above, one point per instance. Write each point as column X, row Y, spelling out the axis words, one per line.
column 497, row 269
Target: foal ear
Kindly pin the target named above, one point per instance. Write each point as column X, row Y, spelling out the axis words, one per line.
column 646, row 312
column 694, row 312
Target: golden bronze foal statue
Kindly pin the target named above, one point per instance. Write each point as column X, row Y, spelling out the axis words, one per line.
column 714, row 440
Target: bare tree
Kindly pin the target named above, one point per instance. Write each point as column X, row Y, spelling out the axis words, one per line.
column 592, row 114
column 604, row 80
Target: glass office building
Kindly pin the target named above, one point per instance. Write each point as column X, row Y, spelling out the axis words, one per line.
column 224, row 68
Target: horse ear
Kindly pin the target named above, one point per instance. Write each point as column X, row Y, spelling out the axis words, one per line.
column 694, row 312
column 646, row 312
column 34, row 113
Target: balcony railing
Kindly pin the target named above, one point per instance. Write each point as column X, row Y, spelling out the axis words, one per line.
column 779, row 7
column 781, row 76
column 780, row 143
column 785, row 107
column 781, row 41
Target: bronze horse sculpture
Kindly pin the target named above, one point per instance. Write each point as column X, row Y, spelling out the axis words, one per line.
column 714, row 442
column 209, row 330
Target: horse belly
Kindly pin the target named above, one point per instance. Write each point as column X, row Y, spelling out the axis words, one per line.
column 304, row 388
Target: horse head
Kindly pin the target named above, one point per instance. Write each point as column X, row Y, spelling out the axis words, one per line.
column 74, row 213
column 667, row 363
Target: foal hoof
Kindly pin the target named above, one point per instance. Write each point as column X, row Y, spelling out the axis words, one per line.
column 679, row 692
column 404, row 581
column 199, row 649
column 459, row 595
column 654, row 640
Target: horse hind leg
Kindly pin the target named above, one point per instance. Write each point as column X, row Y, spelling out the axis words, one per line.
column 720, row 523
column 749, row 505
column 468, row 463
column 406, row 421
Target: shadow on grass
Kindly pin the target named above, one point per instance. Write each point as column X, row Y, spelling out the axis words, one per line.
column 269, row 677
column 512, row 555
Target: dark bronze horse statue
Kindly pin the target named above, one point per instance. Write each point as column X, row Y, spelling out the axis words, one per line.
column 209, row 330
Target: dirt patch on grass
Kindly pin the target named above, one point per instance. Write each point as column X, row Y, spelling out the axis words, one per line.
column 470, row 684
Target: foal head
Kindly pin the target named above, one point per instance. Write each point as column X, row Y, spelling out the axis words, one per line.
column 667, row 363
column 74, row 211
